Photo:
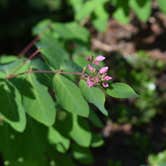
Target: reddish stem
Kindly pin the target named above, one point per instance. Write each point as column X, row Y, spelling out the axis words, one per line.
column 43, row 71
column 29, row 46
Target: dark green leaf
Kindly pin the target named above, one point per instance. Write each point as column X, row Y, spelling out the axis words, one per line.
column 53, row 52
column 11, row 105
column 83, row 155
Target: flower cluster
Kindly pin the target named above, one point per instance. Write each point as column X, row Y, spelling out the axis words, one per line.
column 97, row 75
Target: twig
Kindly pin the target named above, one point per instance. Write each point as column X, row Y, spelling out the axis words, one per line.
column 43, row 71
column 29, row 46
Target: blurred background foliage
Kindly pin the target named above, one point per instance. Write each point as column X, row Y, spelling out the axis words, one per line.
column 134, row 134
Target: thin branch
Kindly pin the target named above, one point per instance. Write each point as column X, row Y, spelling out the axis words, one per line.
column 43, row 71
column 28, row 47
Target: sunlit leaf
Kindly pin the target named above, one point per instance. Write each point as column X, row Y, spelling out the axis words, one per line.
column 69, row 96
column 121, row 90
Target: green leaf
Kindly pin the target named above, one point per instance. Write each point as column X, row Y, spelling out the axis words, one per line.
column 157, row 159
column 122, row 11
column 95, row 119
column 94, row 95
column 28, row 148
column 14, row 67
column 11, row 104
column 100, row 24
column 83, row 155
column 41, row 107
column 61, row 142
column 162, row 5
column 85, row 11
column 102, row 18
column 69, row 96
column 97, row 141
column 142, row 8
column 69, row 31
column 121, row 90
column 42, row 27
column 53, row 52
column 80, row 132
column 7, row 58
column 121, row 16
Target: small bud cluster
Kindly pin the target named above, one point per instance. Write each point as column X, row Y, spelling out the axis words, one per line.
column 97, row 75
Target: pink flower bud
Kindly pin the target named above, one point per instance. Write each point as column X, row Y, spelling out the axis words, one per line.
column 105, row 84
column 107, row 78
column 90, row 82
column 96, row 62
column 99, row 58
column 91, row 68
column 103, row 70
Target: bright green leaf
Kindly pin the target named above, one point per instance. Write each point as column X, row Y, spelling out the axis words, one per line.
column 121, row 16
column 94, row 95
column 69, row 96
column 61, row 142
column 121, row 90
column 162, row 5
column 80, row 132
column 41, row 107
column 142, row 8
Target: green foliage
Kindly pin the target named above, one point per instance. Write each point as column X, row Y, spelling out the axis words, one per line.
column 60, row 103
column 158, row 160
column 122, row 9
column 162, row 5
column 60, row 118
column 142, row 8
column 83, row 10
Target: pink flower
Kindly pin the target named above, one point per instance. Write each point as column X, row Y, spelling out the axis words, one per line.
column 103, row 70
column 105, row 84
column 91, row 68
column 99, row 58
column 90, row 82
column 107, row 78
